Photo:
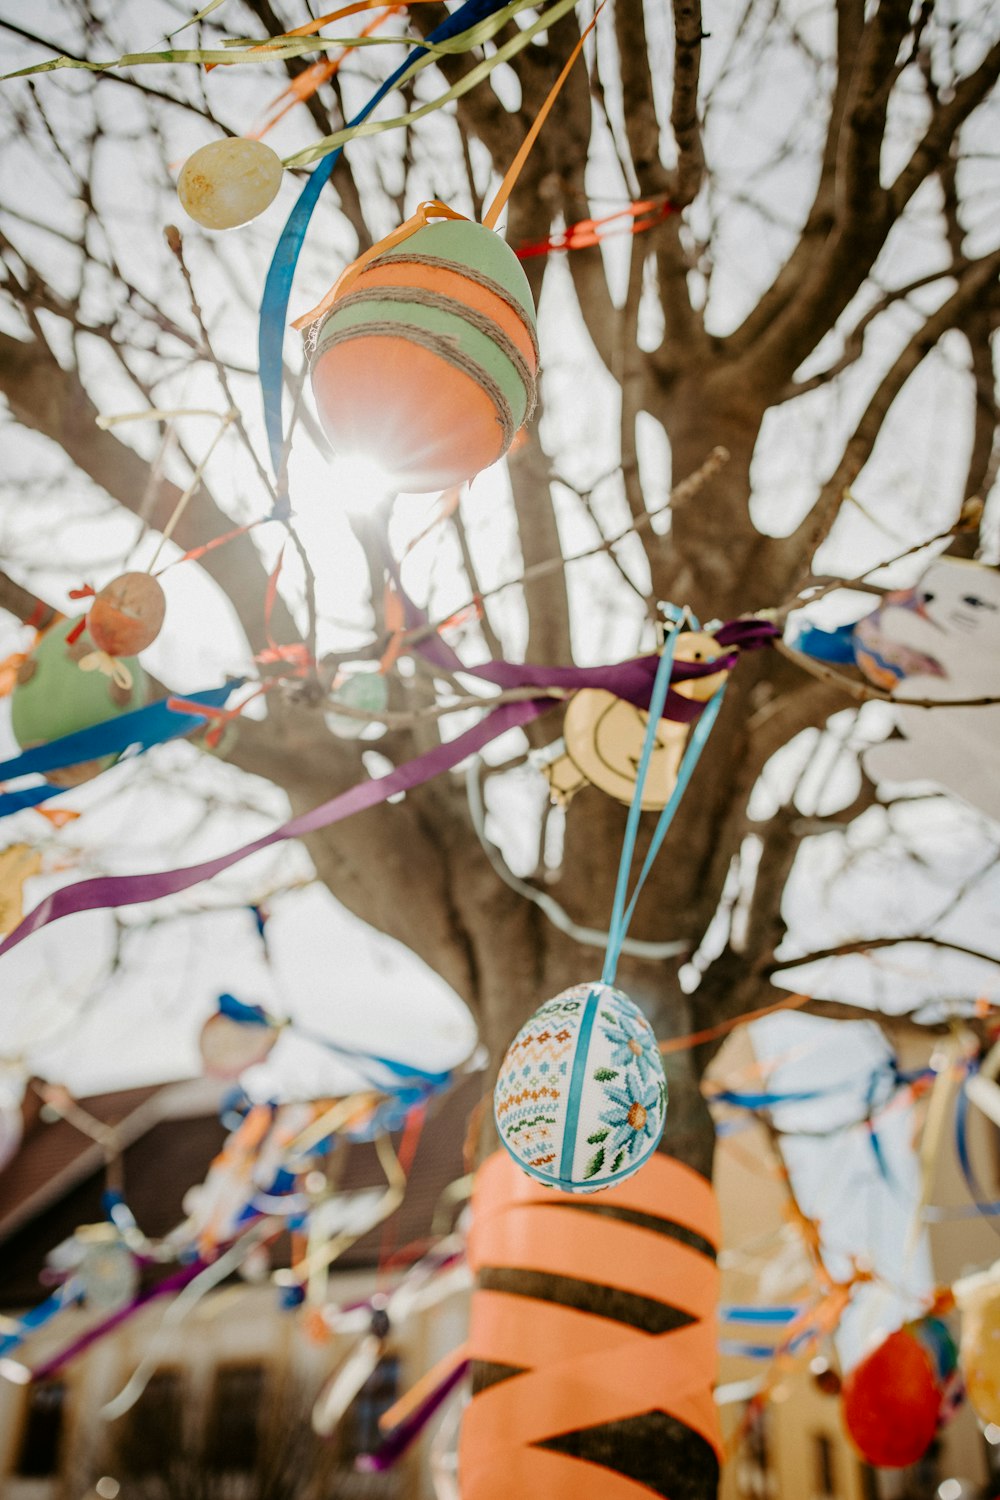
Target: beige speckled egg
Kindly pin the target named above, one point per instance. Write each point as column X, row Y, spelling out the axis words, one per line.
column 229, row 182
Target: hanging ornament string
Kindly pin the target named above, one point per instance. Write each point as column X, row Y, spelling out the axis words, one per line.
column 621, row 914
column 434, row 209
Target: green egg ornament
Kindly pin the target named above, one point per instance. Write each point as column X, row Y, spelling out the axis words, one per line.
column 55, row 697
column 581, row 1098
column 229, row 182
column 364, row 690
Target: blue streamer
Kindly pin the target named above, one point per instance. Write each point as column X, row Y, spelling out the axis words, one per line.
column 142, row 728
column 759, row 1314
column 410, row 1083
column 278, row 286
column 982, row 1204
column 71, row 1291
column 827, row 645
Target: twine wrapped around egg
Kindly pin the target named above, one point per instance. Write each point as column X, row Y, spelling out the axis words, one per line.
column 426, row 361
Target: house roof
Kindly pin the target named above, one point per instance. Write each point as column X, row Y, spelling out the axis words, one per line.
column 168, row 1135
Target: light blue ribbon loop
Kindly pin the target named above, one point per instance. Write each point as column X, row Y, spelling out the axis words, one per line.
column 622, row 914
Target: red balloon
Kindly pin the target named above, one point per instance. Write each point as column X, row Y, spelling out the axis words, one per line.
column 892, row 1402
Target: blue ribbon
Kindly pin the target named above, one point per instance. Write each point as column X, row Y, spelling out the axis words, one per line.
column 142, row 728
column 758, row 1314
column 278, row 286
column 618, row 925
column 409, row 1083
column 982, row 1204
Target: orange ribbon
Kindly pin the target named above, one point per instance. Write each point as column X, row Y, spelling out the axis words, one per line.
column 585, row 1370
column 430, row 209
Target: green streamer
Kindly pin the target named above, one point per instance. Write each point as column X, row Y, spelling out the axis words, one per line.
column 476, row 75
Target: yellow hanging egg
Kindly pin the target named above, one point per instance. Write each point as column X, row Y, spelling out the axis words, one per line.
column 229, row 182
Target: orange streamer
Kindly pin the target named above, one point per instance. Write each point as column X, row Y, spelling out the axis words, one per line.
column 585, row 1370
column 306, row 83
column 524, row 151
column 586, row 233
column 694, row 1038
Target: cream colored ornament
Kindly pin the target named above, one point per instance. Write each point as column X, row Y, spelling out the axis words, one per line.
column 229, row 182
column 978, row 1300
column 603, row 736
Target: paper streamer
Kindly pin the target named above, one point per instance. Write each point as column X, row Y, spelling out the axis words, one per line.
column 127, row 890
column 144, row 727
column 631, row 679
column 583, row 1369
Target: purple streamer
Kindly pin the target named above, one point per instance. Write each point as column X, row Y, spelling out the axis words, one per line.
column 405, row 1433
column 631, row 680
column 128, row 890
column 174, row 1283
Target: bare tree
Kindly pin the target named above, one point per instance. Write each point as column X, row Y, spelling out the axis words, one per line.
column 788, row 274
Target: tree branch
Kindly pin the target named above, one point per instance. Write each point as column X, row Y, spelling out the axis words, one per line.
column 973, row 282
column 52, row 401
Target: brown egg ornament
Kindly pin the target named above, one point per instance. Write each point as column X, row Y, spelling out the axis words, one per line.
column 127, row 614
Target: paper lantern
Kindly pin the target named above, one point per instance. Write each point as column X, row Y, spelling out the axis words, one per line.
column 54, row 697
column 229, row 182
column 426, row 363
column 603, row 736
column 581, row 1098
column 978, row 1300
column 892, row 1401
column 127, row 614
column 940, row 641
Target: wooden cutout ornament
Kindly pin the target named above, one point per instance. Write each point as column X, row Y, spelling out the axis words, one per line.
column 603, row 736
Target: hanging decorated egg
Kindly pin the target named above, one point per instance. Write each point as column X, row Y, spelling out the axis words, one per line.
column 603, row 736
column 893, row 1400
column 229, row 182
column 365, row 690
column 127, row 614
column 426, row 363
column 54, row 697
column 581, row 1098
column 978, row 1300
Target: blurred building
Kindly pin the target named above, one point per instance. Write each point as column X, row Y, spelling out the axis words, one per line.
column 225, row 1414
